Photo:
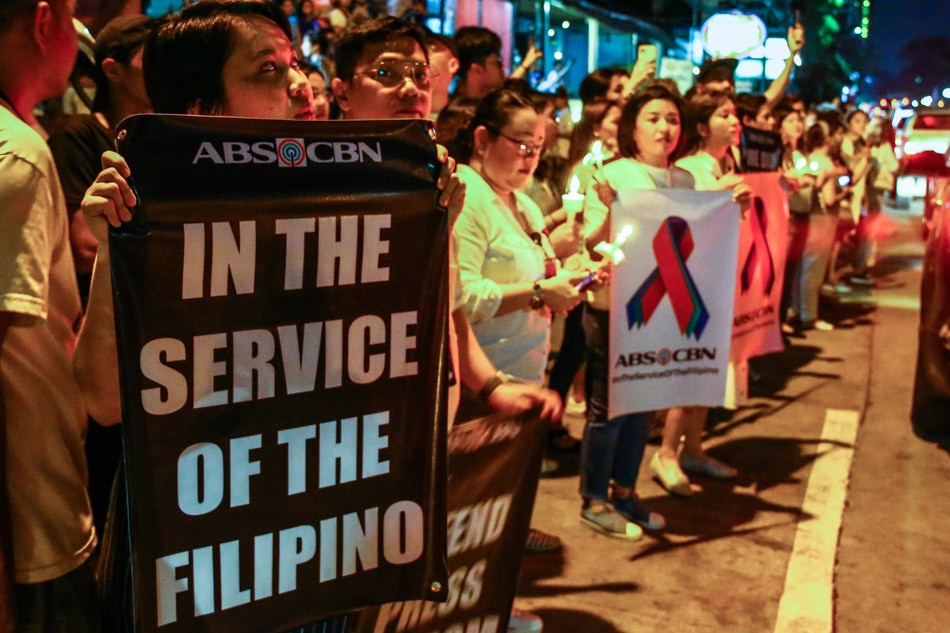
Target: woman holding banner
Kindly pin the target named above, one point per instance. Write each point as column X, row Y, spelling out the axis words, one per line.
column 649, row 134
column 713, row 131
column 251, row 71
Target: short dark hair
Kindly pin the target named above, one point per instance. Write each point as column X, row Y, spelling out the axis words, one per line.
column 699, row 109
column 748, row 105
column 352, row 43
column 12, row 11
column 493, row 112
column 442, row 40
column 184, row 59
column 596, row 84
column 631, row 110
column 120, row 39
column 718, row 70
column 815, row 137
column 540, row 100
column 473, row 45
column 451, row 126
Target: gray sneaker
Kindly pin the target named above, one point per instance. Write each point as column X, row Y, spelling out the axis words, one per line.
column 608, row 521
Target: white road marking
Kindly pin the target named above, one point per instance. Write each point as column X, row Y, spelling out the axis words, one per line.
column 807, row 604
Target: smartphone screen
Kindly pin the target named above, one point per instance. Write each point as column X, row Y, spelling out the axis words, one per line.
column 844, row 181
column 646, row 53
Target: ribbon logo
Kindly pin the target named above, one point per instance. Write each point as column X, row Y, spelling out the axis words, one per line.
column 760, row 256
column 672, row 246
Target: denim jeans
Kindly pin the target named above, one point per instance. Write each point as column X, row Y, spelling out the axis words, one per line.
column 571, row 354
column 611, row 449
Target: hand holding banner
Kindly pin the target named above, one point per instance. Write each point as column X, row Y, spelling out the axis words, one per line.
column 671, row 315
column 281, row 310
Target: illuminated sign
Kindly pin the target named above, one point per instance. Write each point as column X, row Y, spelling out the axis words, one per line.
column 732, row 34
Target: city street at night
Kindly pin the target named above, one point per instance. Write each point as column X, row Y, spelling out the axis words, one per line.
column 836, row 523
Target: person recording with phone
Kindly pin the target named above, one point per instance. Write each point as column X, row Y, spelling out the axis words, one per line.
column 644, row 69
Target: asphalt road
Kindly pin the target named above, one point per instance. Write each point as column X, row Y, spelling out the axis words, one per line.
column 838, row 522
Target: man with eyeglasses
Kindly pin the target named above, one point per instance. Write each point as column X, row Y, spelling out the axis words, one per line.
column 383, row 73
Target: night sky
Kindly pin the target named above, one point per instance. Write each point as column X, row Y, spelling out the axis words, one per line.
column 895, row 22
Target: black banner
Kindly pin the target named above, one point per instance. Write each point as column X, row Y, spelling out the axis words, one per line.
column 494, row 465
column 761, row 151
column 281, row 310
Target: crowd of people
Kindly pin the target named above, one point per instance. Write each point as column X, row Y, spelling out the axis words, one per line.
column 522, row 255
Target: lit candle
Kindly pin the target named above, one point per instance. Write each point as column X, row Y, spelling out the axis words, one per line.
column 572, row 201
column 615, row 250
column 597, row 149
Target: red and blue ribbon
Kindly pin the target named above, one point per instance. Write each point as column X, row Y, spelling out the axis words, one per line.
column 760, row 255
column 672, row 246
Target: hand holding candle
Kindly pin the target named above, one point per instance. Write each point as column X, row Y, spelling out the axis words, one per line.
column 597, row 150
column 572, row 201
column 615, row 250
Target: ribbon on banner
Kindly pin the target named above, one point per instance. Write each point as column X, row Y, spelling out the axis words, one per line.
column 672, row 246
column 760, row 255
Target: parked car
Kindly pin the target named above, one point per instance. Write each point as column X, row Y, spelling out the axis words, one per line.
column 930, row 415
column 923, row 142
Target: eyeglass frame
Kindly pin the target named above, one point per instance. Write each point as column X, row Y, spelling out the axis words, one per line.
column 372, row 71
column 524, row 150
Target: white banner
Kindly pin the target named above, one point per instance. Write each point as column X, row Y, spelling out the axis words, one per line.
column 672, row 299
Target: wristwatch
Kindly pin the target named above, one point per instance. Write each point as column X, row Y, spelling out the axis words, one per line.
column 493, row 383
column 537, row 296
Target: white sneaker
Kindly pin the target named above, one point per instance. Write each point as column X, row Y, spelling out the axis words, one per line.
column 824, row 326
column 522, row 621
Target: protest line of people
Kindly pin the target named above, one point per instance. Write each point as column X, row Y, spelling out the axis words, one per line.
column 522, row 256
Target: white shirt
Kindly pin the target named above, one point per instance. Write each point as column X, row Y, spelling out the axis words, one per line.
column 704, row 168
column 494, row 250
column 628, row 173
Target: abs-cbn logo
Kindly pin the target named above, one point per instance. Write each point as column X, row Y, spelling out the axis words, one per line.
column 287, row 152
column 666, row 356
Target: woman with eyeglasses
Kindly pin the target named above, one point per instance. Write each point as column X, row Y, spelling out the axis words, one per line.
column 510, row 278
